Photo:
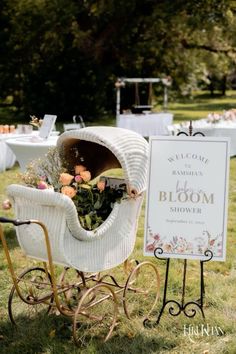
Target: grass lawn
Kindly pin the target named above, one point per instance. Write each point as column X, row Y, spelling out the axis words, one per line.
column 201, row 105
column 52, row 334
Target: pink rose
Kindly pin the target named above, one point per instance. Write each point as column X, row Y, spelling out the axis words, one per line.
column 42, row 185
column 150, row 247
column 6, row 204
column 86, row 175
column 65, row 179
column 157, row 237
column 69, row 191
column 79, row 168
column 101, row 185
column 78, row 179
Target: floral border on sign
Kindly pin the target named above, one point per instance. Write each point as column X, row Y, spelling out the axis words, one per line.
column 180, row 245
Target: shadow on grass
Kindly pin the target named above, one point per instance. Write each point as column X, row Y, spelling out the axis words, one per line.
column 53, row 334
column 37, row 336
column 10, row 236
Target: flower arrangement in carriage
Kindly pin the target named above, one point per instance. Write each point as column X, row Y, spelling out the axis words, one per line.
column 93, row 199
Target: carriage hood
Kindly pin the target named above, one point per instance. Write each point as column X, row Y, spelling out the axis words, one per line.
column 102, row 148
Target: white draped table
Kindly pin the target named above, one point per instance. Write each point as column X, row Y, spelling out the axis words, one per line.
column 224, row 129
column 149, row 124
column 28, row 148
column 7, row 157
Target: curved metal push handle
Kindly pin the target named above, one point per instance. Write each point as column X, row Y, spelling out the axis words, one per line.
column 15, row 222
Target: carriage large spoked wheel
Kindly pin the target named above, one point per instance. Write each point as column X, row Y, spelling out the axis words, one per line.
column 141, row 290
column 35, row 298
column 96, row 315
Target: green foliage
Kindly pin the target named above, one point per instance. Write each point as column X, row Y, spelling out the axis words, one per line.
column 94, row 206
column 63, row 56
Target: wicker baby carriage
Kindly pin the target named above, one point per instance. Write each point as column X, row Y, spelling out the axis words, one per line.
column 67, row 242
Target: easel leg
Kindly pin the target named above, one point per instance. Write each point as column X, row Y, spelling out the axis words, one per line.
column 165, row 291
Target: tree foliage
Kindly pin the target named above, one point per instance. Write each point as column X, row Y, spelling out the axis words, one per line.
column 63, row 56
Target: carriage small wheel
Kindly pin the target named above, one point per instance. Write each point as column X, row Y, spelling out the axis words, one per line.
column 141, row 291
column 35, row 298
column 96, row 315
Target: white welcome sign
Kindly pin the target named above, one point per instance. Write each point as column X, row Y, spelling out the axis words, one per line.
column 187, row 197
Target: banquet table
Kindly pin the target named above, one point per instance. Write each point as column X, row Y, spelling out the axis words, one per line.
column 7, row 157
column 222, row 131
column 214, row 130
column 28, row 148
column 146, row 124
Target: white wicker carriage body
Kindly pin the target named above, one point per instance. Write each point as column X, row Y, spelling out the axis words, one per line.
column 113, row 241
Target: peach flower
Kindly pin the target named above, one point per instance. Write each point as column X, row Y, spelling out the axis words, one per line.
column 65, row 179
column 79, row 168
column 69, row 191
column 101, row 185
column 86, row 175
column 167, row 247
column 6, row 204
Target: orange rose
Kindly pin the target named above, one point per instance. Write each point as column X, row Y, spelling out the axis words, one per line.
column 101, row 185
column 65, row 179
column 86, row 175
column 69, row 191
column 79, row 168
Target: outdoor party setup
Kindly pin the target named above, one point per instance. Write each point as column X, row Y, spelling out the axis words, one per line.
column 71, row 211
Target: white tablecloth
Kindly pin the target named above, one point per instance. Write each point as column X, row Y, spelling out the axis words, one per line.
column 220, row 131
column 146, row 124
column 217, row 130
column 28, row 148
column 7, row 157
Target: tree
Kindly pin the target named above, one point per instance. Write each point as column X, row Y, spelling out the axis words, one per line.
column 63, row 56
